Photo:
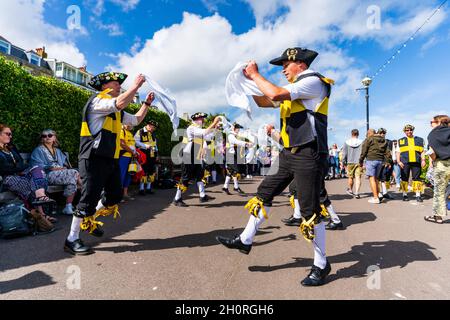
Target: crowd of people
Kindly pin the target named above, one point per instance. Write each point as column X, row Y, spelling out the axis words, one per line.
column 111, row 156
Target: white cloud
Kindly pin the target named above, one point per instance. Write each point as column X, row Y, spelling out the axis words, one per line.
column 193, row 57
column 32, row 31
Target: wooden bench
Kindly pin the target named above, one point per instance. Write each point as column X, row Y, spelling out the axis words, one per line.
column 8, row 196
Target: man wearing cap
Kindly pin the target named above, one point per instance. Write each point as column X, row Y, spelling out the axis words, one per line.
column 235, row 157
column 304, row 120
column 146, row 141
column 411, row 158
column 102, row 121
column 388, row 168
column 192, row 165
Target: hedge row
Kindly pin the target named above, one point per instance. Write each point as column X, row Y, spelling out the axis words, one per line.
column 31, row 104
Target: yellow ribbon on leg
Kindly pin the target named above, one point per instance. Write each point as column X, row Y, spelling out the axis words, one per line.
column 182, row 187
column 90, row 224
column 107, row 211
column 292, row 201
column 253, row 207
column 307, row 228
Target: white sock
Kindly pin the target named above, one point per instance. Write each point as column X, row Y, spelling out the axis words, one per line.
column 69, row 205
column 236, row 183
column 227, row 182
column 75, row 229
column 149, row 185
column 404, row 193
column 214, row 176
column 333, row 214
column 141, row 186
column 252, row 227
column 383, row 188
column 297, row 214
column 201, row 189
column 99, row 205
column 320, row 259
column 178, row 195
column 418, row 194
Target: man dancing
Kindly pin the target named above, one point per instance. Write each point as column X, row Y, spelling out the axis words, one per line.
column 304, row 121
column 103, row 117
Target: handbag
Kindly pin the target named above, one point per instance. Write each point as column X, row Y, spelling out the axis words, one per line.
column 133, row 167
column 15, row 221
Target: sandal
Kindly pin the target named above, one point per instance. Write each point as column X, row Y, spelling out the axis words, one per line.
column 51, row 219
column 435, row 219
column 42, row 200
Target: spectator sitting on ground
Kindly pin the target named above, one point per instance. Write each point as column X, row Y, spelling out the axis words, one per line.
column 29, row 183
column 375, row 151
column 56, row 166
column 439, row 143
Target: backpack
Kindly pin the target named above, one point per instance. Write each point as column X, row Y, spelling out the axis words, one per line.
column 15, row 221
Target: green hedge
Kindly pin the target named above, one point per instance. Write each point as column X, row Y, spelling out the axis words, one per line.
column 31, row 104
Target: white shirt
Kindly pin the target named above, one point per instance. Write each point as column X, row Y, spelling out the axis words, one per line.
column 233, row 141
column 311, row 91
column 100, row 108
column 194, row 132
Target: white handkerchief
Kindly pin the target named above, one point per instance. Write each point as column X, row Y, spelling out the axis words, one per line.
column 164, row 101
column 238, row 89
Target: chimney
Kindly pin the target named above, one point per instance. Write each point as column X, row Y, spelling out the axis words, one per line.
column 41, row 52
column 83, row 68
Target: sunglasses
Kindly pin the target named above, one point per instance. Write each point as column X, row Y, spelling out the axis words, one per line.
column 9, row 134
column 47, row 136
column 431, row 122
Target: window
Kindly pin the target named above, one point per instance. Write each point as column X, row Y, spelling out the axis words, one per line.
column 58, row 66
column 5, row 47
column 35, row 60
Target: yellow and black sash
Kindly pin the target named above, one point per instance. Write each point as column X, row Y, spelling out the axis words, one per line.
column 410, row 149
column 296, row 129
column 106, row 143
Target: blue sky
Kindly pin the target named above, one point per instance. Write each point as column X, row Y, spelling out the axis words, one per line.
column 189, row 46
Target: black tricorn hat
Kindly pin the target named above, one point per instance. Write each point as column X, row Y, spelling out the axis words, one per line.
column 199, row 115
column 153, row 123
column 237, row 126
column 296, row 54
column 105, row 77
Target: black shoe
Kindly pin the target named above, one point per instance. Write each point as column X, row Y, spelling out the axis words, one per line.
column 419, row 199
column 388, row 196
column 357, row 196
column 334, row 226
column 180, row 203
column 149, row 191
column 317, row 276
column 235, row 243
column 206, row 198
column 381, row 199
column 292, row 221
column 98, row 232
column 226, row 191
column 405, row 198
column 142, row 192
column 77, row 248
column 239, row 190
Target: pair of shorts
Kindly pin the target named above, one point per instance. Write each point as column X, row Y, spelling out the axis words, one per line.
column 373, row 168
column 354, row 170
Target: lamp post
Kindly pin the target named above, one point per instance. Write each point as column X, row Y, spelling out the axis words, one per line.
column 366, row 83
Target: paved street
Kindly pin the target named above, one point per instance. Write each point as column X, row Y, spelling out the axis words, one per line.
column 157, row 251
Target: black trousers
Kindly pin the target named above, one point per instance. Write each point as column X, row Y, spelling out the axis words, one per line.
column 98, row 174
column 411, row 167
column 323, row 191
column 305, row 168
column 386, row 174
column 191, row 171
column 150, row 165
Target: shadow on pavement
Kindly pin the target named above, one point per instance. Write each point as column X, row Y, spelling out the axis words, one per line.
column 206, row 239
column 32, row 280
column 351, row 218
column 382, row 254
